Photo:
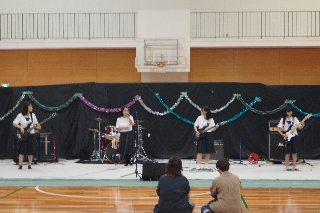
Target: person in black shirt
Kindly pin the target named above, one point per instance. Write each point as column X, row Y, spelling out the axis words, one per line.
column 173, row 190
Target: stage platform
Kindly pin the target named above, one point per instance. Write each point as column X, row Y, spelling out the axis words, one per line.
column 264, row 174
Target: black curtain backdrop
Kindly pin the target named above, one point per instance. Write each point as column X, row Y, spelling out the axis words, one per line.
column 163, row 136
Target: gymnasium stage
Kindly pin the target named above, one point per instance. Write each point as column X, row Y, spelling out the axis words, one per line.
column 263, row 174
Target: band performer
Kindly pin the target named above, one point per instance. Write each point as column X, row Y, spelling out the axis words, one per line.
column 287, row 122
column 22, row 121
column 205, row 145
column 124, row 125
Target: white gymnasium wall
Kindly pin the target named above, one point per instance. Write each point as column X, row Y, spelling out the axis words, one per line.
column 177, row 24
column 97, row 6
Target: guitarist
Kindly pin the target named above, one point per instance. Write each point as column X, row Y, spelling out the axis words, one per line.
column 22, row 121
column 287, row 122
column 205, row 144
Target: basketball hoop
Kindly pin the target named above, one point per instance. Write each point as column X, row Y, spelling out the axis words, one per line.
column 160, row 63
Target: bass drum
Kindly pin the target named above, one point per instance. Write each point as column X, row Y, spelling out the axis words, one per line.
column 111, row 154
column 110, row 130
column 104, row 142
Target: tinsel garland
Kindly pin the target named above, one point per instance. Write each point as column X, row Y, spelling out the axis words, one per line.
column 241, row 113
column 264, row 112
column 302, row 112
column 15, row 107
column 221, row 123
column 167, row 107
column 182, row 95
column 159, row 113
column 212, row 111
column 118, row 109
column 55, row 108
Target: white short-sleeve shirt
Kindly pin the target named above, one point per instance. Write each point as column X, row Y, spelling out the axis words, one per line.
column 124, row 122
column 202, row 122
column 25, row 120
column 288, row 123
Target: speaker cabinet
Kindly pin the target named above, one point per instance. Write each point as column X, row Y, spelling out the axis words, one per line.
column 152, row 171
column 84, row 154
column 276, row 148
column 218, row 146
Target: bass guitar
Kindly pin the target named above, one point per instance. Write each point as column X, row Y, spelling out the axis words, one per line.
column 291, row 130
column 27, row 130
column 203, row 132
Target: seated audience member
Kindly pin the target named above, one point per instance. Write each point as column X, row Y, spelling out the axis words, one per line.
column 226, row 191
column 173, row 190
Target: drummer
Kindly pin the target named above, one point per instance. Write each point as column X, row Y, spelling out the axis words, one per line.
column 124, row 125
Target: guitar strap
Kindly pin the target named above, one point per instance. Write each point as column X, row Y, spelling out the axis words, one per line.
column 289, row 128
column 31, row 117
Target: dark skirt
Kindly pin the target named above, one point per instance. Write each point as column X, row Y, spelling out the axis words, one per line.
column 205, row 145
column 27, row 147
column 293, row 145
column 126, row 144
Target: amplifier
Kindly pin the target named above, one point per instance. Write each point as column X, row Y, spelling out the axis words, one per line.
column 276, row 148
column 218, row 146
column 273, row 125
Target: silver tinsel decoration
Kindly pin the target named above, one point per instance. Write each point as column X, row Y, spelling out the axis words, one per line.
column 159, row 113
column 10, row 111
column 183, row 95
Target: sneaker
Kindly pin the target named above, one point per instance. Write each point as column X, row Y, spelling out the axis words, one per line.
column 29, row 167
column 288, row 169
column 209, row 170
column 20, row 167
column 194, row 170
column 294, row 169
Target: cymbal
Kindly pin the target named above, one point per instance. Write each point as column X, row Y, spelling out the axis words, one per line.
column 95, row 130
column 110, row 137
column 99, row 120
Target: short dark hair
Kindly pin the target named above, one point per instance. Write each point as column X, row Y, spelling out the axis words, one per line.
column 223, row 164
column 174, row 167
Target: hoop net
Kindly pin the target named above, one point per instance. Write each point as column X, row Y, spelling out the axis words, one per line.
column 160, row 63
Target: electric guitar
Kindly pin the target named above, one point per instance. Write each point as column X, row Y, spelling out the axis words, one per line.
column 27, row 130
column 202, row 132
column 290, row 131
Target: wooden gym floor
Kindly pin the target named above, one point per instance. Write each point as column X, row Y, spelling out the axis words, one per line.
column 142, row 199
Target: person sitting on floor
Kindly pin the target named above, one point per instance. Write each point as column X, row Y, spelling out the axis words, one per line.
column 226, row 191
column 173, row 190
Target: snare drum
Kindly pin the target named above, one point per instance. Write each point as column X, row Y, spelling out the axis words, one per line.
column 111, row 154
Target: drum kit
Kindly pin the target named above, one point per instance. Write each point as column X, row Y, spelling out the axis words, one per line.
column 107, row 146
column 107, row 143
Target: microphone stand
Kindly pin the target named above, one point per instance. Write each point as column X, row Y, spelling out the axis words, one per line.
column 240, row 159
column 135, row 157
